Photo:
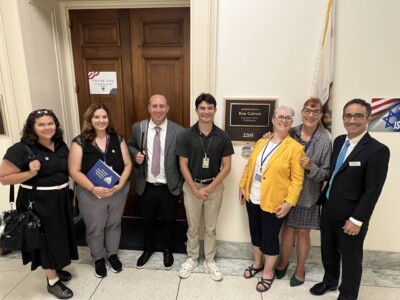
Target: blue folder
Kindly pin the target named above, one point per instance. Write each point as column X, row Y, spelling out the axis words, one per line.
column 103, row 175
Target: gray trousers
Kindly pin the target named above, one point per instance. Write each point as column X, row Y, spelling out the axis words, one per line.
column 102, row 219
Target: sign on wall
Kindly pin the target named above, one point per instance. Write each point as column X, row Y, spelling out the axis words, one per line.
column 385, row 115
column 102, row 83
column 246, row 119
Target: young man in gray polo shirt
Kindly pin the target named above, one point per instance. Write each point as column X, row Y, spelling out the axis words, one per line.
column 205, row 160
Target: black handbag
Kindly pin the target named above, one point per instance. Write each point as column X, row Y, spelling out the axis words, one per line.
column 22, row 230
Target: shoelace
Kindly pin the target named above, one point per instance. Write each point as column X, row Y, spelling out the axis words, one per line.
column 114, row 260
column 189, row 264
column 58, row 287
column 213, row 267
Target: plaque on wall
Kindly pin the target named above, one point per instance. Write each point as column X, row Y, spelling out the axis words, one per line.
column 247, row 119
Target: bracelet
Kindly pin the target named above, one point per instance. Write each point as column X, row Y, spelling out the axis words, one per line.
column 92, row 189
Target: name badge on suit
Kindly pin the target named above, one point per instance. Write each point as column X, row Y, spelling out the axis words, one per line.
column 355, row 163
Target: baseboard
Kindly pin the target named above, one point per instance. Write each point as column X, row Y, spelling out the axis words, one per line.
column 372, row 259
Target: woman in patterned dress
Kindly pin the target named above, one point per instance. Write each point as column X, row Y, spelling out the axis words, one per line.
column 306, row 214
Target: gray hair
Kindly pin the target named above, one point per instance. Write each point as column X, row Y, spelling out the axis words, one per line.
column 283, row 107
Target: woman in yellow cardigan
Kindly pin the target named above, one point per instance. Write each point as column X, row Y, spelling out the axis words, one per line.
column 271, row 184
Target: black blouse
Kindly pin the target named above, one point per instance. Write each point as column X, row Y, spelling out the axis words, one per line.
column 54, row 165
column 91, row 154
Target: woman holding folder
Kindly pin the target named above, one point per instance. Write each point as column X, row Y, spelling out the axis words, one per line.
column 96, row 151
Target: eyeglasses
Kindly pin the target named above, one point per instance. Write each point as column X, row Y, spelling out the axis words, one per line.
column 357, row 117
column 284, row 118
column 315, row 112
column 41, row 112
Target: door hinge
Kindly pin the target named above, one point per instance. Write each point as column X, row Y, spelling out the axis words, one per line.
column 77, row 89
column 70, row 24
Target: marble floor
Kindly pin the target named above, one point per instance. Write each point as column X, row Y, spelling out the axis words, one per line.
column 381, row 280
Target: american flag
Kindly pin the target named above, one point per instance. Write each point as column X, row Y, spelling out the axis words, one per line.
column 93, row 74
column 385, row 115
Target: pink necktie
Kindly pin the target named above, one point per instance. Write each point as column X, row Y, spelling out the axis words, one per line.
column 155, row 160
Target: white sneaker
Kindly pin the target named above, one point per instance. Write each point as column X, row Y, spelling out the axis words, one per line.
column 212, row 268
column 187, row 268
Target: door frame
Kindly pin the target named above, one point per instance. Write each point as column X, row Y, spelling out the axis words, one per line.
column 203, row 37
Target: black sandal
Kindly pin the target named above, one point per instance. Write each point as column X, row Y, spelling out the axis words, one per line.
column 252, row 271
column 265, row 284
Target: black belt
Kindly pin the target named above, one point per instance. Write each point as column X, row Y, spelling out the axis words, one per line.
column 204, row 181
column 156, row 183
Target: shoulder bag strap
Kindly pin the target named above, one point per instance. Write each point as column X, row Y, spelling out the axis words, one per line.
column 31, row 156
column 144, row 124
column 11, row 196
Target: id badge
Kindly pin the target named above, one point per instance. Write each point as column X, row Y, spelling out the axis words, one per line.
column 206, row 163
column 257, row 177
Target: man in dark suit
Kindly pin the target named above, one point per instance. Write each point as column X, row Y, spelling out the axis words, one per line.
column 359, row 167
column 158, row 178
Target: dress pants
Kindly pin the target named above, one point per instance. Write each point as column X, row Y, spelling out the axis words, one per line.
column 102, row 219
column 156, row 201
column 337, row 247
column 195, row 208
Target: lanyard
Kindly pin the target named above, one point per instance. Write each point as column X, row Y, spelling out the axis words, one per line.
column 308, row 144
column 202, row 145
column 105, row 150
column 263, row 159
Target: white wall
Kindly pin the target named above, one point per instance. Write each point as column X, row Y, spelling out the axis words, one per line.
column 268, row 48
column 43, row 51
column 9, row 80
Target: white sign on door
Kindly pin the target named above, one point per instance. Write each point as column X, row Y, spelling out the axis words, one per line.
column 103, row 82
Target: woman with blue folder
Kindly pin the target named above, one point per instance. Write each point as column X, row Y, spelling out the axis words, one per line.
column 100, row 150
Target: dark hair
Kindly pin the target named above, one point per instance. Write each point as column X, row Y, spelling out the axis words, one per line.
column 205, row 97
column 88, row 131
column 360, row 102
column 313, row 102
column 28, row 133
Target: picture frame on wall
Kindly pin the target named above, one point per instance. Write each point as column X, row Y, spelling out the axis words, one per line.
column 247, row 118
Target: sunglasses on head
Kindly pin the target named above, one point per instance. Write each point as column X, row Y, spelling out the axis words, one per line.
column 41, row 112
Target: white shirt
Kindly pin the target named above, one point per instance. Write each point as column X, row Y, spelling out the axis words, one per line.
column 255, row 188
column 353, row 143
column 151, row 133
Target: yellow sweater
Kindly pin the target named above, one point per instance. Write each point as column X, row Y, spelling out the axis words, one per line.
column 282, row 179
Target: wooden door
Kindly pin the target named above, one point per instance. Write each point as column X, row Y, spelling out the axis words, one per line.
column 101, row 42
column 160, row 52
column 149, row 51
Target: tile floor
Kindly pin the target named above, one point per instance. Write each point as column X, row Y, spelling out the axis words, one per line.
column 18, row 282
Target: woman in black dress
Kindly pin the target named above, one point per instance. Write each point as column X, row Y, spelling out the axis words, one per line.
column 40, row 160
